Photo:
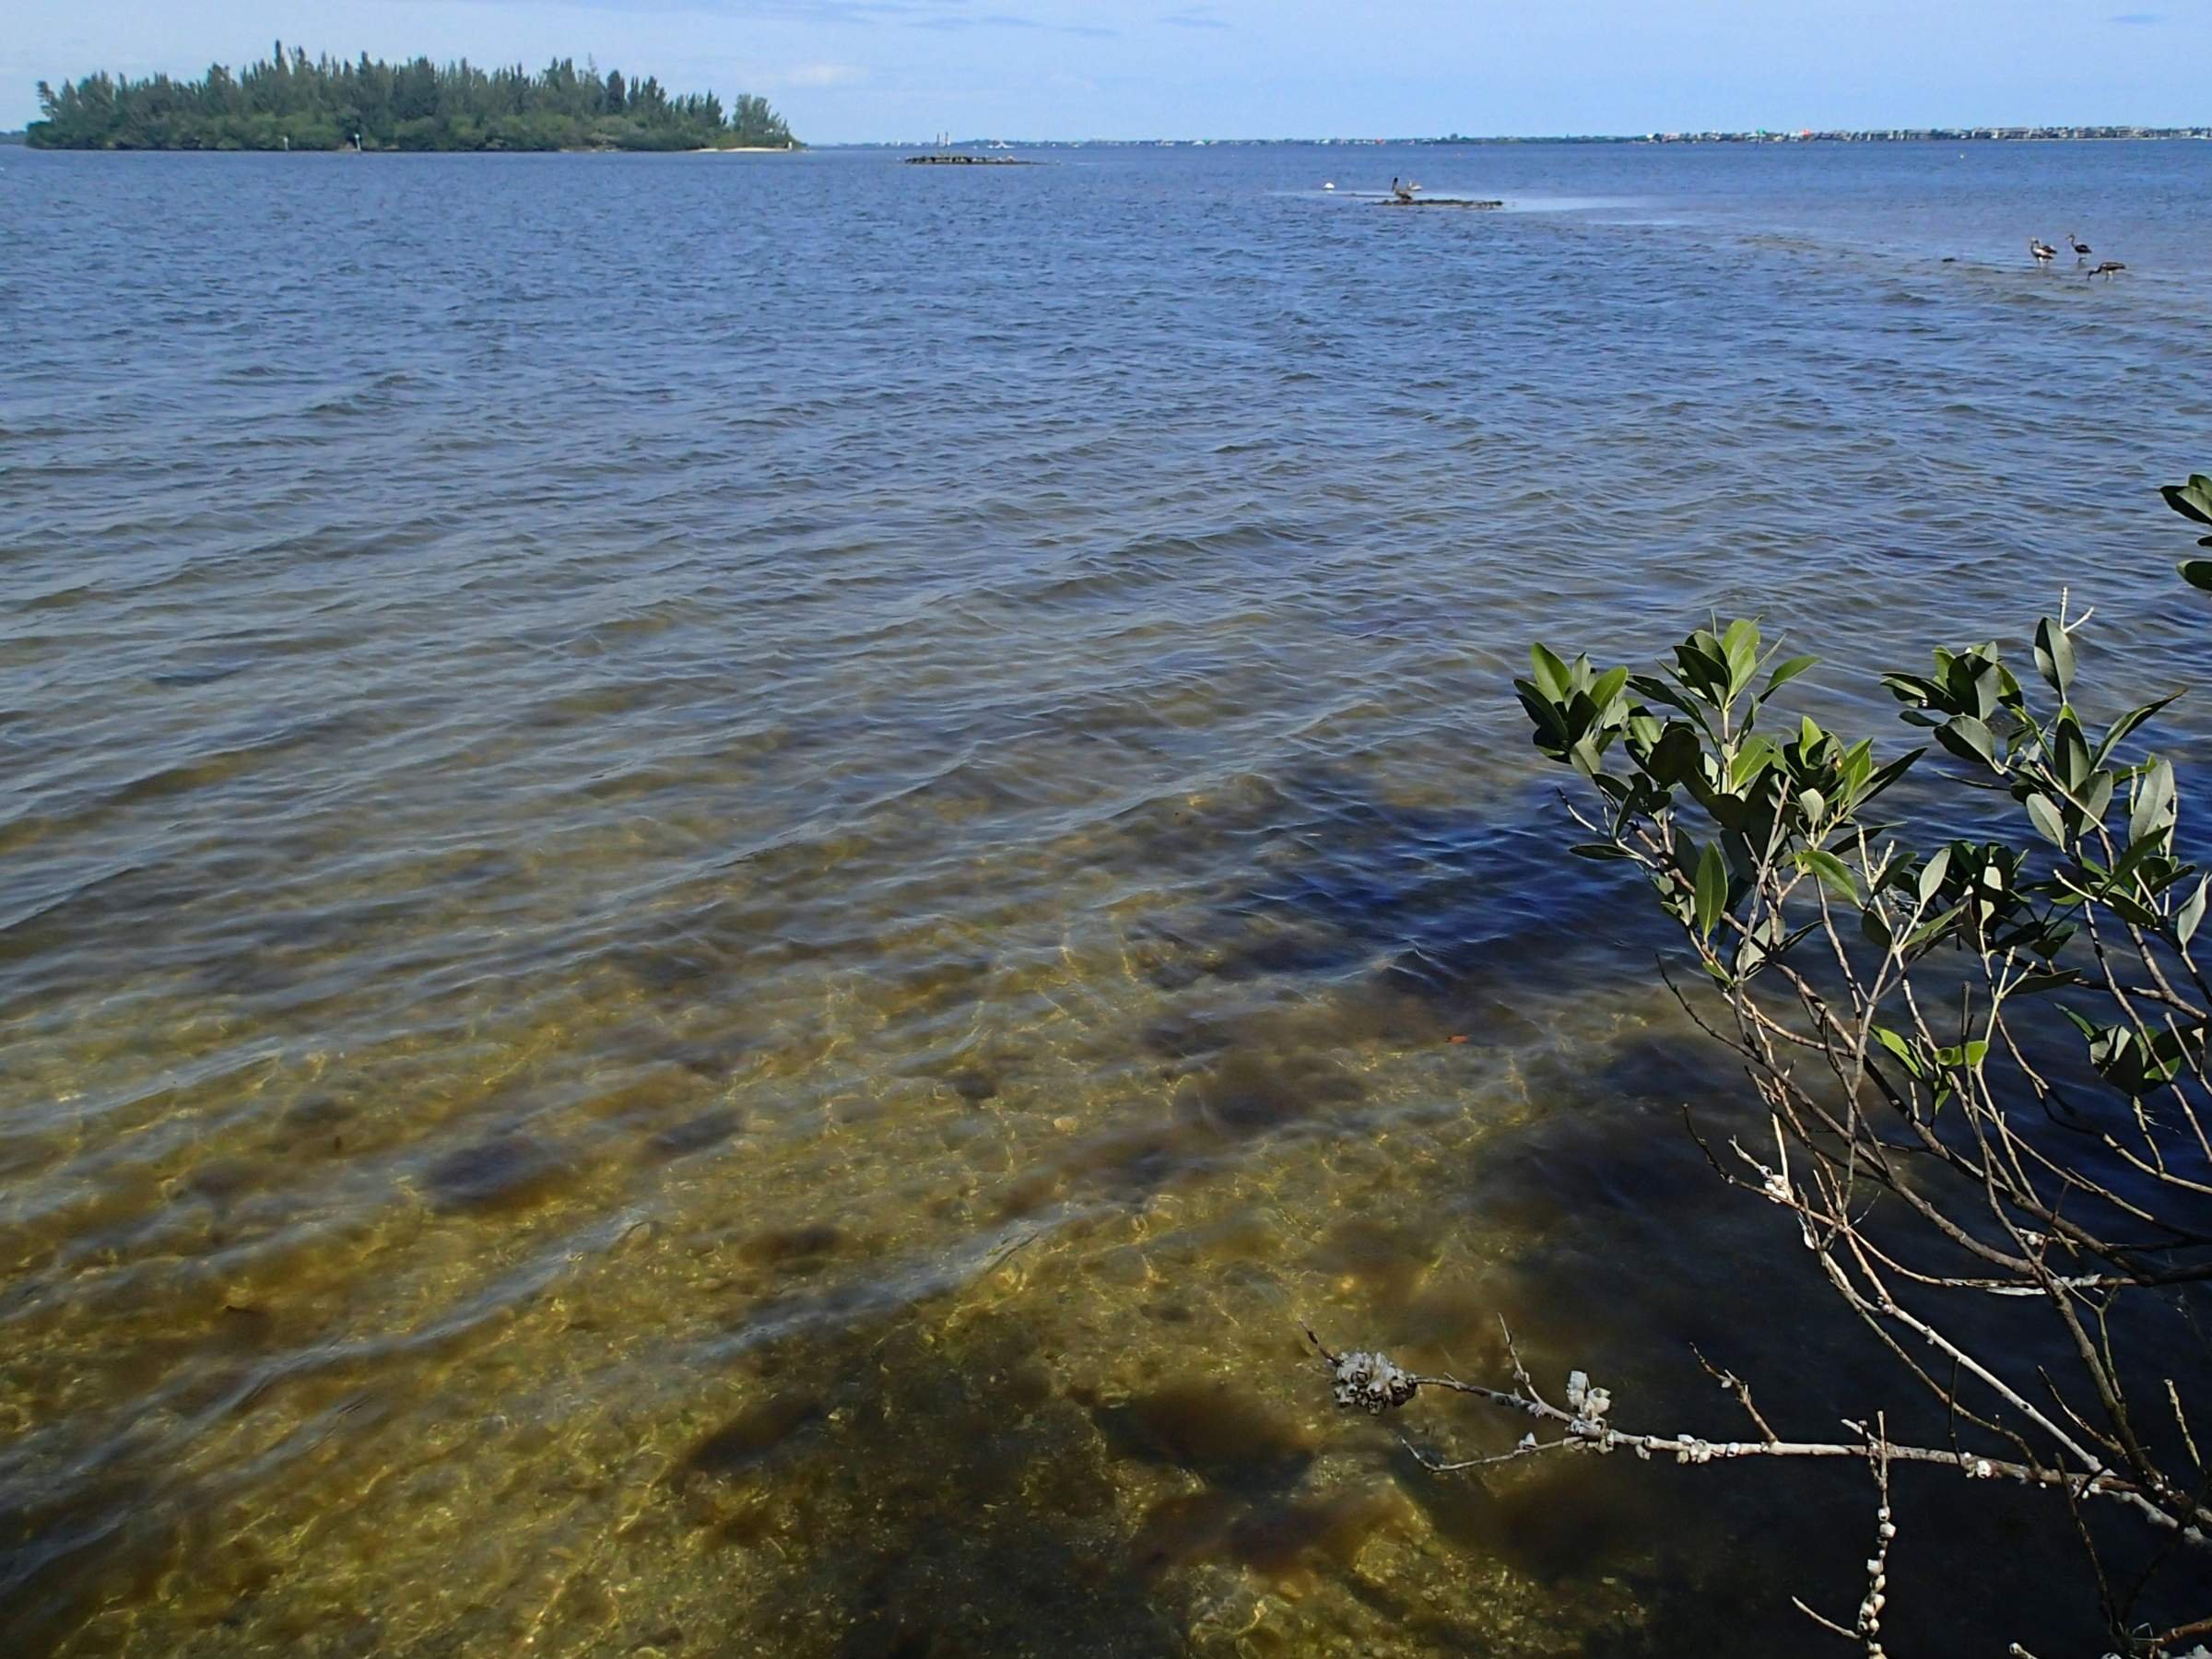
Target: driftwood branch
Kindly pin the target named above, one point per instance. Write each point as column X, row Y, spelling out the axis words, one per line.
column 1373, row 1383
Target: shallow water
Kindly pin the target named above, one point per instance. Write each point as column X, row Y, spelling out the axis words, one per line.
column 727, row 878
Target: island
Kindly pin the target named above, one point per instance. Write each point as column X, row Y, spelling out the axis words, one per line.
column 289, row 102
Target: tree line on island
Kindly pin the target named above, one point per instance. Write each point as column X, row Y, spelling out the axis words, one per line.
column 289, row 102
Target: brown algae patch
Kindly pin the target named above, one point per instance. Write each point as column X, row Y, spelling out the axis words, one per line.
column 660, row 1349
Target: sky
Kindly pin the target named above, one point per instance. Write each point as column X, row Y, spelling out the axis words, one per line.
column 899, row 70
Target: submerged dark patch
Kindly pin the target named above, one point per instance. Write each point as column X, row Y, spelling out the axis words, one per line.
column 1213, row 1428
column 510, row 1171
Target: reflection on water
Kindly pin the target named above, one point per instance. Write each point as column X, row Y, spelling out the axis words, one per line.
column 709, row 935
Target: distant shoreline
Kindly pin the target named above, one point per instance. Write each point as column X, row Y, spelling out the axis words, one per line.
column 2053, row 135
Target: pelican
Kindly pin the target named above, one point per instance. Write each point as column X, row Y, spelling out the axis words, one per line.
column 2109, row 268
column 1403, row 191
column 2081, row 249
column 2042, row 251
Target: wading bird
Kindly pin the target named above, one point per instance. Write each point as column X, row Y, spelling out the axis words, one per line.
column 2081, row 249
column 2109, row 269
column 2042, row 251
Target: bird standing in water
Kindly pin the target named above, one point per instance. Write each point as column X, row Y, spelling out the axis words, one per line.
column 2081, row 249
column 2109, row 269
column 2042, row 251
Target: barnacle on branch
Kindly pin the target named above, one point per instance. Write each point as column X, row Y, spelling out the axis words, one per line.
column 1370, row 1382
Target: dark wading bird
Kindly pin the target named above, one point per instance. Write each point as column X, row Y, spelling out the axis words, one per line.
column 2109, row 269
column 2081, row 249
column 2042, row 251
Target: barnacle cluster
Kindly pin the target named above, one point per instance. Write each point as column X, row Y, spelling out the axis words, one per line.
column 1370, row 1382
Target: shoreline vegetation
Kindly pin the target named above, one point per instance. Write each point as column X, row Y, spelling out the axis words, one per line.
column 293, row 102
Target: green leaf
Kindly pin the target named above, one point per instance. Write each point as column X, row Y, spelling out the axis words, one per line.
column 2144, row 856
column 1739, row 645
column 1786, row 673
column 1833, row 871
column 2193, row 499
column 1875, row 930
column 1712, row 889
column 1897, row 1045
column 1932, row 874
column 1967, row 738
column 2133, row 718
column 1856, row 767
column 1551, row 673
column 1703, row 669
column 1887, row 775
column 2055, row 655
column 1757, row 753
column 2080, row 1024
column 2095, row 796
column 1607, row 688
column 2132, row 910
column 2197, row 572
column 2153, row 802
column 1654, row 689
column 1600, row 850
column 2071, row 750
column 1674, row 757
column 1929, row 932
column 2046, row 818
column 2192, row 911
column 1729, row 810
column 2030, row 983
column 1913, row 690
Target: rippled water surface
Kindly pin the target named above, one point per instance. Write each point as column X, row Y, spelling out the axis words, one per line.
column 724, row 879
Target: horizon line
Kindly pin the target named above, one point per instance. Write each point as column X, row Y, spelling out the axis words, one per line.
column 1980, row 132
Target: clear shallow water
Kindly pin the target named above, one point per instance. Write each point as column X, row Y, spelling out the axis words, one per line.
column 725, row 876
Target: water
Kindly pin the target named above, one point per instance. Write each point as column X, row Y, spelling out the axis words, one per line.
column 727, row 878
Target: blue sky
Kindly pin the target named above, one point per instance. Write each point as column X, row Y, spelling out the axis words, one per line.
column 901, row 69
